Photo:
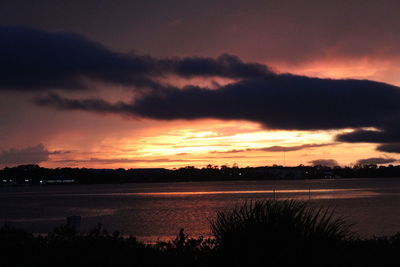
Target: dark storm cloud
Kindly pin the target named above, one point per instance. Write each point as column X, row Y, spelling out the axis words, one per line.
column 34, row 59
column 391, row 148
column 281, row 102
column 91, row 104
column 324, row 162
column 277, row 148
column 388, row 136
column 223, row 66
column 376, row 161
column 28, row 155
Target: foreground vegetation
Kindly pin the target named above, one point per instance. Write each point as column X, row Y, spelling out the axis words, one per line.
column 264, row 233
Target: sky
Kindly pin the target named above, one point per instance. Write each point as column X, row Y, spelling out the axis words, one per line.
column 145, row 84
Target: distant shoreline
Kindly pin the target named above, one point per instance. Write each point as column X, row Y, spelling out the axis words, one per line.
column 36, row 175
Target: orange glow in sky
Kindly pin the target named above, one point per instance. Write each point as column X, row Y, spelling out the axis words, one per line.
column 203, row 142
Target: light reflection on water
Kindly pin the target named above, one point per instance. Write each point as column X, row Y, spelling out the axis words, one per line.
column 316, row 193
column 292, row 191
column 152, row 211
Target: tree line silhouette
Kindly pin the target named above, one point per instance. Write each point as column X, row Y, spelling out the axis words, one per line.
column 34, row 174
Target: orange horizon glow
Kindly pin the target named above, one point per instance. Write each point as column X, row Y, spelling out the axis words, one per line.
column 203, row 142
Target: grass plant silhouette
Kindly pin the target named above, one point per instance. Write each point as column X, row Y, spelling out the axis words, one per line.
column 279, row 232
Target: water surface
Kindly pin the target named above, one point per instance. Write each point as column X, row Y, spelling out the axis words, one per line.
column 152, row 211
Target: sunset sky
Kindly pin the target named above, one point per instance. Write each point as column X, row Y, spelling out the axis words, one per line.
column 143, row 84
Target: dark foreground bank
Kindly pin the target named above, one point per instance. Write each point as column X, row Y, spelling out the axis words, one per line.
column 267, row 233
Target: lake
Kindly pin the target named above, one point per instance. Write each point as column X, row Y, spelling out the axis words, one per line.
column 156, row 211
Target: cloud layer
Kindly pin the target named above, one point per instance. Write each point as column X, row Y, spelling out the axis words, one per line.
column 277, row 148
column 376, row 161
column 324, row 162
column 37, row 60
column 29, row 155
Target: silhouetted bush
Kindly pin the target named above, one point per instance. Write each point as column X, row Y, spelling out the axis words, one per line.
column 189, row 251
column 278, row 232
